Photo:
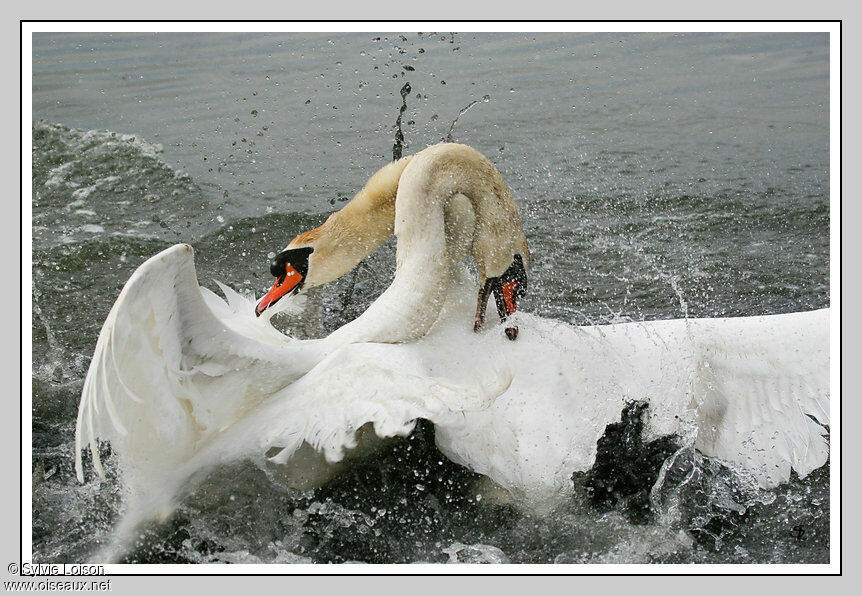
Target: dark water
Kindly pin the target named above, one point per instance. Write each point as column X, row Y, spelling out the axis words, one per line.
column 658, row 175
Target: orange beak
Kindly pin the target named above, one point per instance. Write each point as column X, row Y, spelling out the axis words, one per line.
column 282, row 286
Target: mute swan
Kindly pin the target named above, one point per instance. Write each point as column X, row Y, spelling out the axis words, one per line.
column 182, row 380
column 451, row 201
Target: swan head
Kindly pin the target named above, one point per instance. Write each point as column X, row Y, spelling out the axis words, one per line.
column 321, row 255
column 290, row 269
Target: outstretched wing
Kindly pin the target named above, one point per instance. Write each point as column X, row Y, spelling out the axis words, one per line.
column 181, row 380
column 752, row 391
column 167, row 372
column 762, row 392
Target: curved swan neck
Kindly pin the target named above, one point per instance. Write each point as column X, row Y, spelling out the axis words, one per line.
column 451, row 202
column 435, row 223
column 357, row 230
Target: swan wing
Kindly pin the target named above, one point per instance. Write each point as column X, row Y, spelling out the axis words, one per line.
column 387, row 385
column 752, row 391
column 167, row 372
column 182, row 380
column 761, row 391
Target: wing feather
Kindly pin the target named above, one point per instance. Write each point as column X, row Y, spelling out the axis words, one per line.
column 176, row 387
column 762, row 392
column 166, row 372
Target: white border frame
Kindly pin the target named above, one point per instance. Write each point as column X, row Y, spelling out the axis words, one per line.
column 831, row 27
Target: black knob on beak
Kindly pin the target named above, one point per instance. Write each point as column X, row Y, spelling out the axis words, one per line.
column 276, row 266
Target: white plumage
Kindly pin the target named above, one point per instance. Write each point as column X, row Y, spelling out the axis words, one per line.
column 177, row 389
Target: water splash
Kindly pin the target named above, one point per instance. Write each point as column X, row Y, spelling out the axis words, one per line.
column 449, row 138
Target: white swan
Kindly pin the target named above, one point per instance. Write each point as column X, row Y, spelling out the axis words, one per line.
column 182, row 380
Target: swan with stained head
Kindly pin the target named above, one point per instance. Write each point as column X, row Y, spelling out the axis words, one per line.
column 444, row 203
column 182, row 380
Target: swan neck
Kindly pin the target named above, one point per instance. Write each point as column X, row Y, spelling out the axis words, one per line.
column 358, row 229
